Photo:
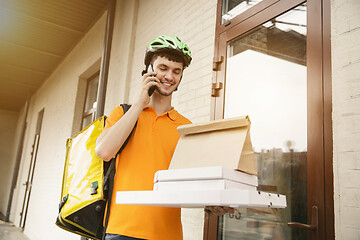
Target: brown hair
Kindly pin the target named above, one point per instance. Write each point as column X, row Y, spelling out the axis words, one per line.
column 172, row 56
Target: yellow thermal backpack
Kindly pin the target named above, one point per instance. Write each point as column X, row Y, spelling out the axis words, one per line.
column 87, row 183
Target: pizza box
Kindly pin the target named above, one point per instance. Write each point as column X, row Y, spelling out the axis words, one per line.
column 218, row 184
column 205, row 173
column 199, row 199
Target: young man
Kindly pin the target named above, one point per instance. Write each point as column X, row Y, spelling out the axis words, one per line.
column 151, row 145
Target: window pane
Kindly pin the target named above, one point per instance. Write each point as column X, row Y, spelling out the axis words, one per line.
column 232, row 8
column 266, row 79
column 91, row 93
column 86, row 121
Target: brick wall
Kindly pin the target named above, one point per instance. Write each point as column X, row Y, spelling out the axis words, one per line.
column 345, row 37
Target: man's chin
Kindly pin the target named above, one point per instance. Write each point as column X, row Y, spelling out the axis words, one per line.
column 164, row 93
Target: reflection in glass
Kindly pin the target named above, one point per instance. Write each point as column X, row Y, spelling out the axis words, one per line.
column 232, row 8
column 86, row 121
column 90, row 101
column 266, row 79
column 91, row 93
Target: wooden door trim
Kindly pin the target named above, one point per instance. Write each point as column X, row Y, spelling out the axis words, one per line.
column 328, row 133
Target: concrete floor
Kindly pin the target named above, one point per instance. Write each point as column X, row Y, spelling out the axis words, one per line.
column 9, row 232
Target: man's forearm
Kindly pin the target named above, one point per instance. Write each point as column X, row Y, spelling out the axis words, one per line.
column 110, row 141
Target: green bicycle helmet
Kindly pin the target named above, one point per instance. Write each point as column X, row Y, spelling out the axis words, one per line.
column 166, row 43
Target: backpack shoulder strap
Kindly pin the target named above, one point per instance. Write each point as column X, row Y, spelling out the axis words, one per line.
column 111, row 167
column 125, row 107
column 110, row 173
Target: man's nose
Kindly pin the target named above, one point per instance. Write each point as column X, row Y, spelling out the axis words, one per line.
column 169, row 75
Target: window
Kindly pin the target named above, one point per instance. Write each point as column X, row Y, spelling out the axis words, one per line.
column 90, row 101
column 232, row 8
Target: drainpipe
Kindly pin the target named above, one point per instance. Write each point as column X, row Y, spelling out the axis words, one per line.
column 17, row 161
column 105, row 60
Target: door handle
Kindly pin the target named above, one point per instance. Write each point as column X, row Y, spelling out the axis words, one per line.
column 314, row 221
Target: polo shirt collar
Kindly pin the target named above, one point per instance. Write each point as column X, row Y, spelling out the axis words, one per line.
column 172, row 114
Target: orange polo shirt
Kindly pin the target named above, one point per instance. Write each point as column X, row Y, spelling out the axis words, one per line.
column 150, row 149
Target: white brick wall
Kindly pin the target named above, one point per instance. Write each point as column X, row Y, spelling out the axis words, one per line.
column 121, row 54
column 345, row 37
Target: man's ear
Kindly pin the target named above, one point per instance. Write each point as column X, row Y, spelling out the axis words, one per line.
column 179, row 83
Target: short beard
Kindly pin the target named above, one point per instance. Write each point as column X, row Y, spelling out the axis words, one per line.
column 167, row 94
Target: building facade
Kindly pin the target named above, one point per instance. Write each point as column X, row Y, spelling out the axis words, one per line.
column 291, row 65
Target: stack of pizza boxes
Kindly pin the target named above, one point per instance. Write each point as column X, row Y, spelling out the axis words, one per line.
column 204, row 178
column 216, row 155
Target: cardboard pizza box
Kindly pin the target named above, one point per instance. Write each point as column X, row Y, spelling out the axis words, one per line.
column 201, row 185
column 205, row 173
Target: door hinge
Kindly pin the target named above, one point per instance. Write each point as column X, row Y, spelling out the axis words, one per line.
column 216, row 63
column 216, row 87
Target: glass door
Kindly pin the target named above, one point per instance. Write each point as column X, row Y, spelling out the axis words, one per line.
column 272, row 63
column 266, row 79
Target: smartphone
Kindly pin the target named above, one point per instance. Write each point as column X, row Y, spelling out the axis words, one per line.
column 152, row 88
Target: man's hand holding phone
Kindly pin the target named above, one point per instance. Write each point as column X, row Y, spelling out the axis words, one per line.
column 149, row 84
column 152, row 88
